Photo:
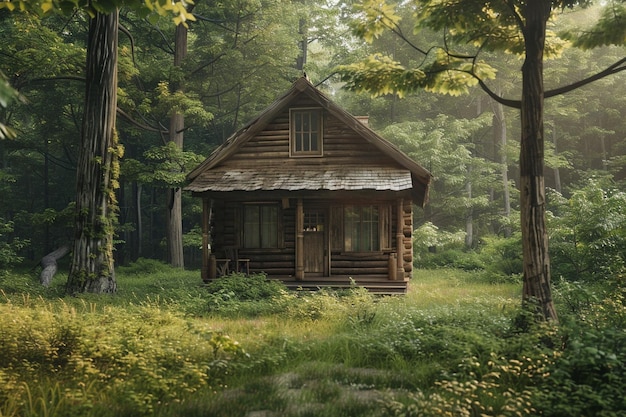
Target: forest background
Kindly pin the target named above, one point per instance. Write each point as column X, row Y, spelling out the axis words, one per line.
column 240, row 57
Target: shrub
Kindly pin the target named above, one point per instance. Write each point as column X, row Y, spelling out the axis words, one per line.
column 588, row 378
column 241, row 287
column 9, row 247
column 453, row 258
column 588, row 233
column 123, row 360
column 247, row 296
column 502, row 258
column 144, row 266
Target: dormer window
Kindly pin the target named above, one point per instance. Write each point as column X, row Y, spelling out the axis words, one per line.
column 305, row 132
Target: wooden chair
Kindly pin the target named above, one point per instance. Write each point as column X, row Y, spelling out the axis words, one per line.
column 237, row 264
column 222, row 266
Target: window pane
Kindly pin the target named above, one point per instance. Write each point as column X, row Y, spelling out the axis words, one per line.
column 269, row 227
column 351, row 226
column 260, row 228
column 361, row 228
column 306, row 131
column 251, row 227
column 314, row 142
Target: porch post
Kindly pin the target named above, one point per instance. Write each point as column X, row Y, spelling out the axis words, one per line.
column 400, row 237
column 206, row 213
column 299, row 241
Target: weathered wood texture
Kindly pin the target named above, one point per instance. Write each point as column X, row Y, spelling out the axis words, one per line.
column 356, row 167
column 281, row 262
column 342, row 146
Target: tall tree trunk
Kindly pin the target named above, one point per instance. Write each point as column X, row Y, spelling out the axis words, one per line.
column 303, row 43
column 499, row 128
column 174, row 196
column 469, row 218
column 92, row 259
column 536, row 288
column 139, row 232
column 557, row 172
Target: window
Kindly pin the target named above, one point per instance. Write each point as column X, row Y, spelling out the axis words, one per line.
column 361, row 228
column 305, row 132
column 260, row 226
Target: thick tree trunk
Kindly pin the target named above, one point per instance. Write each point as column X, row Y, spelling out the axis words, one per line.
column 174, row 197
column 92, row 269
column 536, row 288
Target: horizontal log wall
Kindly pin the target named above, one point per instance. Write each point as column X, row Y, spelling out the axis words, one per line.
column 342, row 146
column 280, row 263
column 408, row 239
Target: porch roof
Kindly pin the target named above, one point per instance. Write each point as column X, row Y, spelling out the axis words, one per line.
column 294, row 179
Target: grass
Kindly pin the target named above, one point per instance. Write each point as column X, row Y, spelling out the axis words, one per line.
column 164, row 346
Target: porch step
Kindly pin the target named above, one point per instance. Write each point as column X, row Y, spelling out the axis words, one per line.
column 375, row 287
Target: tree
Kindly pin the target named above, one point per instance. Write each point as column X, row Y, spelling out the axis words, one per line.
column 92, row 268
column 471, row 27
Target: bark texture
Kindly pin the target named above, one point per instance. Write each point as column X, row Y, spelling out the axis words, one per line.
column 92, row 268
column 174, row 197
column 49, row 264
column 536, row 288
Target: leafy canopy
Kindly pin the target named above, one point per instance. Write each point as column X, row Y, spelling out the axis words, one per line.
column 150, row 9
column 469, row 28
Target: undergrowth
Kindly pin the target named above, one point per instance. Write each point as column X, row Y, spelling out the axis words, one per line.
column 167, row 345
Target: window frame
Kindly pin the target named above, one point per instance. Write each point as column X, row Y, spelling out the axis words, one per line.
column 365, row 224
column 293, row 134
column 260, row 244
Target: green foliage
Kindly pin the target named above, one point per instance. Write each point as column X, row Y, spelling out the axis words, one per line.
column 7, row 95
column 241, row 287
column 588, row 233
column 146, row 8
column 140, row 357
column 502, row 258
column 498, row 259
column 9, row 247
column 347, row 353
column 588, row 373
column 609, row 29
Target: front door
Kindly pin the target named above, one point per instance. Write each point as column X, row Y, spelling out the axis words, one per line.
column 314, row 241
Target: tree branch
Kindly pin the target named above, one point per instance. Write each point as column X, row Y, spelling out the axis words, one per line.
column 135, row 123
column 612, row 69
column 516, row 104
column 131, row 39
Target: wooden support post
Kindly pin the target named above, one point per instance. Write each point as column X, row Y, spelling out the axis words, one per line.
column 206, row 252
column 299, row 241
column 400, row 238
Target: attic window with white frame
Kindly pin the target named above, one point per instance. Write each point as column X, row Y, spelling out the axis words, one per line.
column 305, row 132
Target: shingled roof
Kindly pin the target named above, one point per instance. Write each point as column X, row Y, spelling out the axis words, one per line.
column 210, row 175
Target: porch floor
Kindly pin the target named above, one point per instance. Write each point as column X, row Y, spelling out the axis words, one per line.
column 374, row 284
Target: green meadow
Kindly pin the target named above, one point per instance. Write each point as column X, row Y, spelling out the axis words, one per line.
column 165, row 345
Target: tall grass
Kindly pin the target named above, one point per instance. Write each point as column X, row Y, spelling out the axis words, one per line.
column 166, row 345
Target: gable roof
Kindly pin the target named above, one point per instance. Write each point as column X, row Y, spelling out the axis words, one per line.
column 208, row 172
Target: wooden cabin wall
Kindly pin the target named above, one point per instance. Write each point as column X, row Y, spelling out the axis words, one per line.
column 277, row 262
column 342, row 146
column 408, row 239
column 281, row 263
column 274, row 262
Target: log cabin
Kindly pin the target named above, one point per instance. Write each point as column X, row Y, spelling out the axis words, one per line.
column 310, row 195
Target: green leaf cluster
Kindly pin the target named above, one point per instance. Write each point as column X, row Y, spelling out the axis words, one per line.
column 144, row 8
column 588, row 233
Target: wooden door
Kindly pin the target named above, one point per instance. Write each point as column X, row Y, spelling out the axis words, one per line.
column 314, row 241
